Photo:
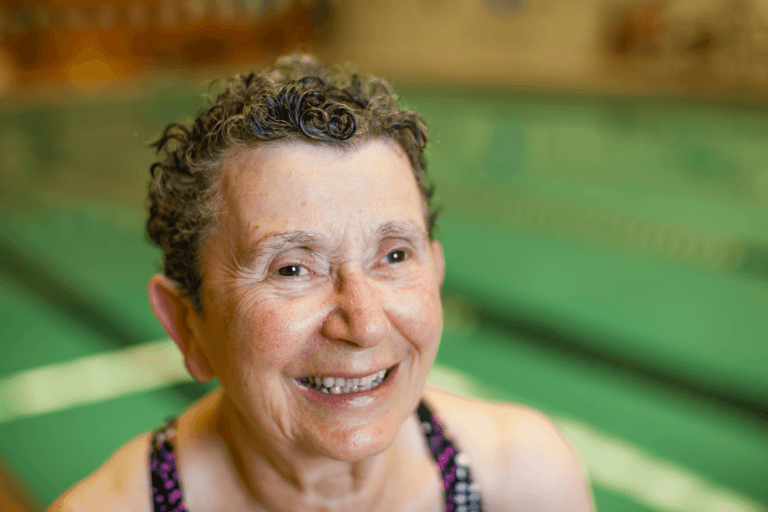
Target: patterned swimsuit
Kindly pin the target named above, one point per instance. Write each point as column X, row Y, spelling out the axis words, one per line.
column 461, row 493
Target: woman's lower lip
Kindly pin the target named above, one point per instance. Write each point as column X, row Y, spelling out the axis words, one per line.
column 354, row 398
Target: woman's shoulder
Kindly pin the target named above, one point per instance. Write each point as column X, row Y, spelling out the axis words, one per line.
column 121, row 484
column 497, row 432
column 519, row 457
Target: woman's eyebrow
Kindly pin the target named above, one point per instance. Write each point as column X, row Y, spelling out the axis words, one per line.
column 279, row 241
column 275, row 242
column 404, row 228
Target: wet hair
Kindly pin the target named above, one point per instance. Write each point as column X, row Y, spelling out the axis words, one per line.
column 298, row 99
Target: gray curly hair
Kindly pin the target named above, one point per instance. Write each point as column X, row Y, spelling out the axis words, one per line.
column 297, row 99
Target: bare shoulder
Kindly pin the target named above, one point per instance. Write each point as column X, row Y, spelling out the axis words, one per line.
column 520, row 458
column 121, row 484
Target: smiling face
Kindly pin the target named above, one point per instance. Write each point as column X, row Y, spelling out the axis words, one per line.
column 319, row 276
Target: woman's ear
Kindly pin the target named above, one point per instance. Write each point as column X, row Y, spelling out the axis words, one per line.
column 177, row 316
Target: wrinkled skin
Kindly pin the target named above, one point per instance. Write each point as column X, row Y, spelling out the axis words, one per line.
column 343, row 297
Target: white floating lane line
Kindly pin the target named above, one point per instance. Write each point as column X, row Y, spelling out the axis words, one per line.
column 618, row 466
column 90, row 379
column 611, row 463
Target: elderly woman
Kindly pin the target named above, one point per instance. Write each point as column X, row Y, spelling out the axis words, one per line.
column 300, row 270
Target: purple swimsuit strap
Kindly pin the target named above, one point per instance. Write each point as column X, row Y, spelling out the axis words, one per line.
column 461, row 493
column 166, row 489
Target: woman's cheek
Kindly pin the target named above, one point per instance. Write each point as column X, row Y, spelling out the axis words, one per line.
column 419, row 315
column 282, row 328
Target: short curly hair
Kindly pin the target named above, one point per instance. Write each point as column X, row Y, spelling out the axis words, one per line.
column 297, row 99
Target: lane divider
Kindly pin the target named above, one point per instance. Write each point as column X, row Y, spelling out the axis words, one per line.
column 611, row 463
column 91, row 379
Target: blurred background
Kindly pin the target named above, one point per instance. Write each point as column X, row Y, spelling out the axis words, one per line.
column 603, row 171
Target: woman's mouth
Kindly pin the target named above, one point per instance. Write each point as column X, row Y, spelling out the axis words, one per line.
column 340, row 385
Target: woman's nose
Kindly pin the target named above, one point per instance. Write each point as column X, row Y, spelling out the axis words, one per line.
column 359, row 317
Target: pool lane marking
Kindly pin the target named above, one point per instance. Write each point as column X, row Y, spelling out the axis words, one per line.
column 611, row 463
column 90, row 379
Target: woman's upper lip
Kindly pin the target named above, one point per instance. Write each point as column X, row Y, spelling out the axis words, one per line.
column 346, row 375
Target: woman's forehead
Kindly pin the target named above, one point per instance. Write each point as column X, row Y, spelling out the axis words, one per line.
column 278, row 187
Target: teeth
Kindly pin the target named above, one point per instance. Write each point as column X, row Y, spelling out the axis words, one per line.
column 339, row 385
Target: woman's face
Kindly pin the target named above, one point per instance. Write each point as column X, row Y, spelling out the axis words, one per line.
column 320, row 269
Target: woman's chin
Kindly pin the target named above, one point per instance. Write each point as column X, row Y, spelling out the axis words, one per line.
column 356, row 443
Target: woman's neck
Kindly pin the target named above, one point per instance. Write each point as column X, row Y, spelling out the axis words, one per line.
column 280, row 475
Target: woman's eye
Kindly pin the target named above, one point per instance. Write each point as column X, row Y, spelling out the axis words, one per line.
column 289, row 271
column 396, row 256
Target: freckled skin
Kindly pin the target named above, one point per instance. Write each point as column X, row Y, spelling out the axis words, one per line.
column 350, row 312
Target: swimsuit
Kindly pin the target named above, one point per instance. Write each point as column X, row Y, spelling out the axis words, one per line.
column 461, row 493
